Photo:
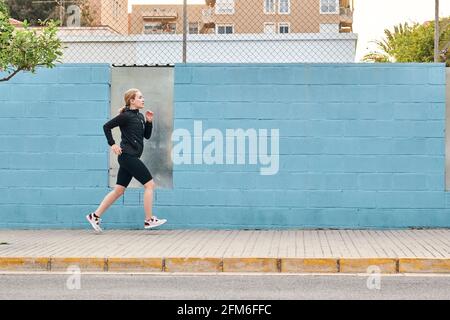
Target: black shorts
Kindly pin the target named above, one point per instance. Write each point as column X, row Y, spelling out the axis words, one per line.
column 131, row 166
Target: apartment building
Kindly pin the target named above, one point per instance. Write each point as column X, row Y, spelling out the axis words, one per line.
column 109, row 13
column 261, row 31
column 245, row 17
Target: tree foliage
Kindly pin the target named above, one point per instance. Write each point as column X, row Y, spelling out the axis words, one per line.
column 412, row 43
column 24, row 49
column 30, row 11
column 34, row 11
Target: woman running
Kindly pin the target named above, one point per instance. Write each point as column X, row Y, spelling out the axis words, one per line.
column 134, row 128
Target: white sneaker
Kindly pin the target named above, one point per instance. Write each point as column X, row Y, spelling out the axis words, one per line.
column 154, row 222
column 95, row 222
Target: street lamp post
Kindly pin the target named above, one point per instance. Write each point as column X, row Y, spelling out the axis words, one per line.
column 184, row 30
column 436, row 31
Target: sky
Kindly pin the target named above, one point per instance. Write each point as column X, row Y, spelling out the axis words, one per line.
column 370, row 17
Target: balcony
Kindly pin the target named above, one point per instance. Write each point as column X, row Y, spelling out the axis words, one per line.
column 160, row 14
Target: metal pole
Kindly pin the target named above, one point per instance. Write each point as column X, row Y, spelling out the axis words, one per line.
column 436, row 31
column 61, row 12
column 184, row 30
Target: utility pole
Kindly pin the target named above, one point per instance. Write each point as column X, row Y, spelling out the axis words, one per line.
column 184, row 30
column 436, row 31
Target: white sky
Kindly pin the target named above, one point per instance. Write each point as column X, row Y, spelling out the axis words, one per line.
column 370, row 18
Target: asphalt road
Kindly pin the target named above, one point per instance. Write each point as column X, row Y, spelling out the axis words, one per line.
column 51, row 286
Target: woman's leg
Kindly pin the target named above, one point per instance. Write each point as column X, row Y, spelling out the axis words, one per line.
column 148, row 199
column 110, row 199
column 137, row 169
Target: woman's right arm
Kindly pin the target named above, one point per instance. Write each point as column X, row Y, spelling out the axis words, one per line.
column 107, row 127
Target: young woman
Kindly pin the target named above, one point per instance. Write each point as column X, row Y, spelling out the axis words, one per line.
column 134, row 128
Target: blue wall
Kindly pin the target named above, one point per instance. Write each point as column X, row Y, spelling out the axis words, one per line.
column 361, row 146
column 54, row 159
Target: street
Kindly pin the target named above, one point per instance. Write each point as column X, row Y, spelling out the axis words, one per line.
column 73, row 285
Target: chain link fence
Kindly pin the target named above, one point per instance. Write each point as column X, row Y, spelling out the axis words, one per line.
column 124, row 32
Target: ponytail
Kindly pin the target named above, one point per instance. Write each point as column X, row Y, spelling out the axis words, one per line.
column 121, row 110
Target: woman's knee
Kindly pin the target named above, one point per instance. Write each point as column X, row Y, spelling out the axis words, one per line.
column 149, row 185
column 119, row 190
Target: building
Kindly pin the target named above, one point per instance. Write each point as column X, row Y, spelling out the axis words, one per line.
column 220, row 31
column 245, row 17
column 112, row 14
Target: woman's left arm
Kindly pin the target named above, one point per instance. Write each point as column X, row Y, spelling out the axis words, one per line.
column 148, row 130
column 148, row 124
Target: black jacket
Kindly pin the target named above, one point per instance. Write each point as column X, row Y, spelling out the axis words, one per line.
column 134, row 129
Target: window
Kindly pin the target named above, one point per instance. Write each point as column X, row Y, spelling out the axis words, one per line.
column 284, row 28
column 225, row 29
column 329, row 6
column 284, row 6
column 269, row 6
column 159, row 27
column 193, row 27
column 225, row 7
column 269, row 28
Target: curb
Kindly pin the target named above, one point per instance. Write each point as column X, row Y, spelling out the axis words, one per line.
column 420, row 265
column 363, row 265
column 217, row 265
column 25, row 264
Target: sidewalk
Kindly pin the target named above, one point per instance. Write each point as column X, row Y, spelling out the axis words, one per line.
column 300, row 251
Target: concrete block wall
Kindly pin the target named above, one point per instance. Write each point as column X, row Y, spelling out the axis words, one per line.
column 54, row 158
column 53, row 154
column 361, row 146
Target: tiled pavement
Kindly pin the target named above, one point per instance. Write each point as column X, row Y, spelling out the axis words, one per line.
column 228, row 250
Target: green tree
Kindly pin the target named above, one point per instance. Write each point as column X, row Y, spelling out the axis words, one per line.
column 33, row 11
column 412, row 43
column 30, row 10
column 24, row 49
column 87, row 19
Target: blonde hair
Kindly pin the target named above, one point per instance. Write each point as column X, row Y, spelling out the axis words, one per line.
column 129, row 95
